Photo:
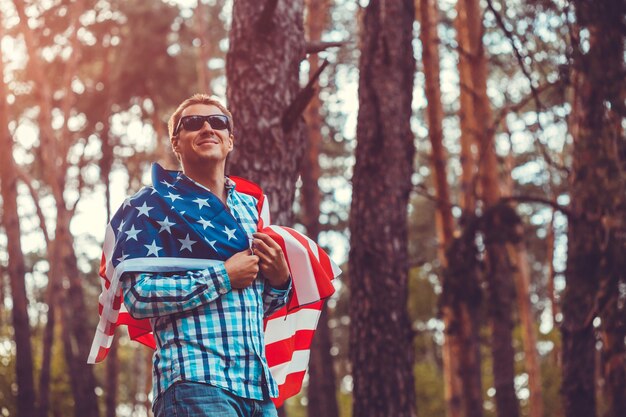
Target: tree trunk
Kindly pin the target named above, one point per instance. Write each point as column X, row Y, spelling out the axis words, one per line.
column 428, row 14
column 321, row 392
column 595, row 262
column 499, row 268
column 463, row 275
column 26, row 400
column 519, row 254
column 467, row 120
column 381, row 347
column 262, row 69
column 77, row 334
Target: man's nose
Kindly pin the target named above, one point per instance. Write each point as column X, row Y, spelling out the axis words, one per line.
column 206, row 125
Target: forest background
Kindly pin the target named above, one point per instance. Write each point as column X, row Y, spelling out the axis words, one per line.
column 464, row 161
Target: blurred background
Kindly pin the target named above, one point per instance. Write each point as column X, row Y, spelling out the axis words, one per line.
column 448, row 154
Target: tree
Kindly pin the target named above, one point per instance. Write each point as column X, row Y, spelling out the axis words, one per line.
column 380, row 335
column 262, row 68
column 428, row 17
column 499, row 270
column 26, row 399
column 322, row 387
column 595, row 262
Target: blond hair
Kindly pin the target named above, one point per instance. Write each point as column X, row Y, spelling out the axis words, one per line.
column 197, row 99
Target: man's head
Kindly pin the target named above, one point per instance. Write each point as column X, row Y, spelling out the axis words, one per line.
column 201, row 129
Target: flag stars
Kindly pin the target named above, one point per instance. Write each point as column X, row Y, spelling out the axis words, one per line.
column 153, row 249
column 186, row 243
column 121, row 226
column 201, row 202
column 167, row 184
column 230, row 233
column 122, row 258
column 212, row 243
column 166, row 225
column 144, row 209
column 173, row 197
column 205, row 223
column 132, row 233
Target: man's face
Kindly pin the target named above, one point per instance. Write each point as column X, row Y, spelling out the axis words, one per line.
column 205, row 145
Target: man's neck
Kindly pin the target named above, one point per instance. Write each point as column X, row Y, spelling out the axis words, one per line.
column 212, row 177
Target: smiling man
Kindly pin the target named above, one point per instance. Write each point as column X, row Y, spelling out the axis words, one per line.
column 207, row 323
column 186, row 269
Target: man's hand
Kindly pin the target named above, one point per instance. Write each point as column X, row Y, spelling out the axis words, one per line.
column 271, row 260
column 242, row 269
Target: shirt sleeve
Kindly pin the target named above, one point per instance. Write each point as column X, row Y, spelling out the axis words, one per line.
column 274, row 299
column 151, row 294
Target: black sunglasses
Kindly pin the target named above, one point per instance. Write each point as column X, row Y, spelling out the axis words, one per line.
column 195, row 123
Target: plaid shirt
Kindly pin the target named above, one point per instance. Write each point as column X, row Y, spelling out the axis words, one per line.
column 205, row 330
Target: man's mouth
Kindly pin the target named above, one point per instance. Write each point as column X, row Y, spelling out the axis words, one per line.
column 205, row 140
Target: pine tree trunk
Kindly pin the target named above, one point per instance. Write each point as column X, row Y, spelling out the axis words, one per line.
column 595, row 262
column 77, row 333
column 428, row 13
column 463, row 287
column 26, row 400
column 381, row 347
column 262, row 68
column 499, row 268
column 519, row 254
column 321, row 393
column 466, row 115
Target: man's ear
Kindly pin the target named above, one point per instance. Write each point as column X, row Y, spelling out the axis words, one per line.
column 231, row 140
column 174, row 142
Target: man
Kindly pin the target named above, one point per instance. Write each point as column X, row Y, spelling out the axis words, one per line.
column 208, row 324
column 206, row 290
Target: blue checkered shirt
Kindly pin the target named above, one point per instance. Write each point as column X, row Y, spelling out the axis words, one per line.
column 206, row 331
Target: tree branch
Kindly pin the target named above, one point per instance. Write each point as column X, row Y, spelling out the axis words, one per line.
column 296, row 108
column 541, row 200
column 313, row 47
column 28, row 181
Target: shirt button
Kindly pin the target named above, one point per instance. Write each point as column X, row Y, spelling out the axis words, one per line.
column 222, row 290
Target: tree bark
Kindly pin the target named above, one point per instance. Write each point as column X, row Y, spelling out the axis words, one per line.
column 321, row 392
column 499, row 268
column 428, row 15
column 467, row 120
column 262, row 69
column 595, row 262
column 381, row 347
column 26, row 399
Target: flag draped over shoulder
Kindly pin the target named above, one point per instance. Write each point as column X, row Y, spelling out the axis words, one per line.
column 157, row 230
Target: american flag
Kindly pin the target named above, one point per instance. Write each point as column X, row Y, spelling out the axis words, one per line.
column 204, row 226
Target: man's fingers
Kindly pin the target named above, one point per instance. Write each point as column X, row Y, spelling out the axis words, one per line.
column 261, row 247
column 267, row 240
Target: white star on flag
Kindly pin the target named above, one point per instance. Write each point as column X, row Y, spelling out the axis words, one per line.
column 187, row 243
column 167, row 184
column 153, row 249
column 144, row 209
column 165, row 225
column 230, row 233
column 201, row 202
column 205, row 223
column 121, row 226
column 173, row 197
column 126, row 203
column 132, row 233
column 212, row 243
column 122, row 258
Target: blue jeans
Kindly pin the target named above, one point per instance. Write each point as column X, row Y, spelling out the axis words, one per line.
column 193, row 399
